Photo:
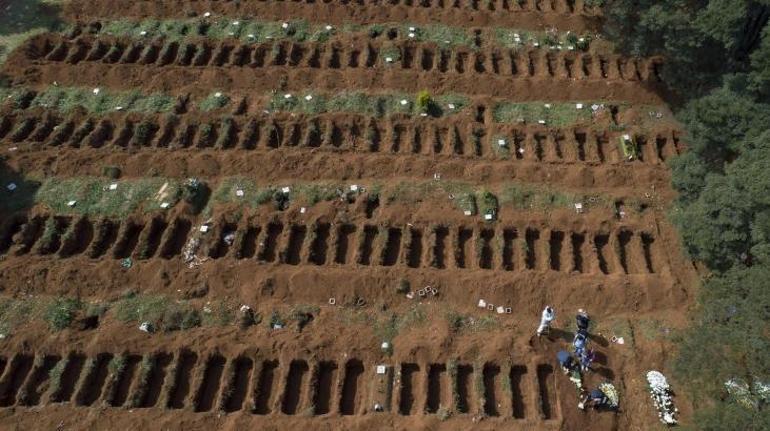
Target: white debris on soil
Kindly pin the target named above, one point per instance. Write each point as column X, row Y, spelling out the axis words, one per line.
column 229, row 238
column 146, row 327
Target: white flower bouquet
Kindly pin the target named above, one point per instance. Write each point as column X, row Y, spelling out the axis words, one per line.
column 660, row 392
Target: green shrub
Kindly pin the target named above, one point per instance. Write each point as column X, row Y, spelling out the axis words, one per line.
column 61, row 312
column 214, row 101
column 424, row 101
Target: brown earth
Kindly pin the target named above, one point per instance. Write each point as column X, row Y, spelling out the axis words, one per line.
column 628, row 272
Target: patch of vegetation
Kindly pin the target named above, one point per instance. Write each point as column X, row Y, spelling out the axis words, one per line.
column 93, row 195
column 117, row 364
column 718, row 61
column 55, row 375
column 16, row 313
column 404, row 287
column 367, row 104
column 522, row 39
column 552, row 114
column 303, row 314
column 528, row 197
column 22, row 19
column 488, row 204
column 67, row 99
column 61, row 312
column 219, row 313
column 141, row 308
column 386, row 327
column 464, row 323
column 247, row 193
column 22, row 197
column 214, row 101
column 258, row 31
column 248, row 31
column 276, row 321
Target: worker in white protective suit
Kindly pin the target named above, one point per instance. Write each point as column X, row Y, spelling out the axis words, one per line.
column 545, row 320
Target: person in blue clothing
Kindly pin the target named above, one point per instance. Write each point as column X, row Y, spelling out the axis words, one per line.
column 586, row 359
column 595, row 398
column 566, row 361
column 582, row 321
column 579, row 343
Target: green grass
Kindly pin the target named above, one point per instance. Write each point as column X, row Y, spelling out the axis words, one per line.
column 93, row 196
column 15, row 313
column 362, row 103
column 22, row 19
column 55, row 375
column 442, row 35
column 219, row 28
column 387, row 326
column 488, row 204
column 163, row 312
column 219, row 313
column 255, row 195
column 117, row 365
column 527, row 197
column 507, row 37
column 554, row 114
column 465, row 323
column 217, row 100
column 67, row 99
column 136, row 308
column 503, row 151
column 257, row 31
column 61, row 312
column 629, row 147
column 23, row 197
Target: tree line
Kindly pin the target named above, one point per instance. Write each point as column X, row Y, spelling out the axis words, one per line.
column 717, row 67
